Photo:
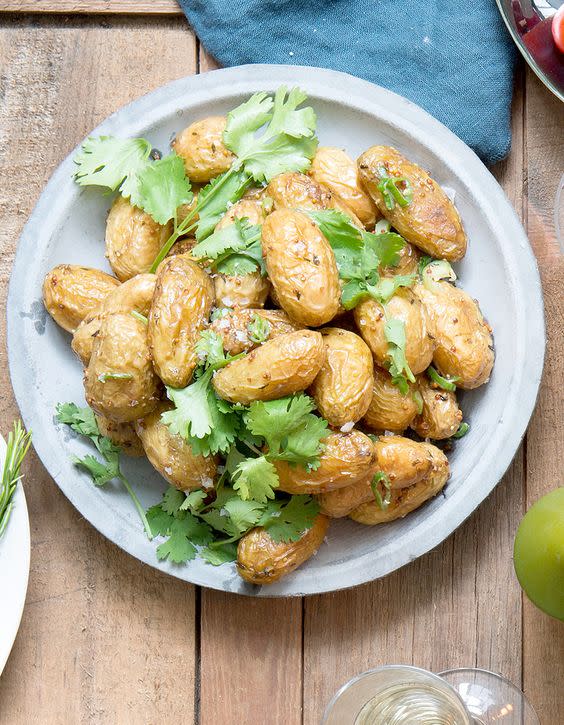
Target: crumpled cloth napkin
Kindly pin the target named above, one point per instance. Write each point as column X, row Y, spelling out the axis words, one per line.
column 452, row 57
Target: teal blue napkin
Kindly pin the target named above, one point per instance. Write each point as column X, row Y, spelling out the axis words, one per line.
column 452, row 57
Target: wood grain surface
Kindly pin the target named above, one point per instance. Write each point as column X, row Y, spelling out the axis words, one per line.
column 105, row 639
column 92, row 7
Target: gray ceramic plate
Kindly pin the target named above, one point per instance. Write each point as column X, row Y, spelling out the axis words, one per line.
column 67, row 225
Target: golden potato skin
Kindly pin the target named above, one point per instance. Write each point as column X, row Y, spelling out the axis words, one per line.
column 464, row 344
column 133, row 239
column 408, row 263
column 405, row 500
column 261, row 560
column 430, row 220
column 71, row 292
column 135, row 294
column 201, row 147
column 404, row 462
column 347, row 459
column 441, row 416
column 183, row 246
column 389, row 409
column 181, row 307
column 333, row 168
column 404, row 306
column 121, row 347
column 301, row 266
column 172, row 456
column 233, row 328
column 248, row 290
column 251, row 209
column 121, row 434
column 279, row 367
column 343, row 386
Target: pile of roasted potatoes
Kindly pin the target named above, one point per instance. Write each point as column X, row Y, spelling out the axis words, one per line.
column 339, row 357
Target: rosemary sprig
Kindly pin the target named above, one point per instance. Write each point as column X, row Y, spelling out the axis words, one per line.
column 17, row 446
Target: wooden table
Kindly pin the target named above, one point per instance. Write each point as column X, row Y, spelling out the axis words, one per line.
column 105, row 639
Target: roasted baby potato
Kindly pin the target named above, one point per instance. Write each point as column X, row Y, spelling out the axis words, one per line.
column 301, row 266
column 182, row 246
column 279, row 367
column 405, row 500
column 430, row 220
column 389, row 409
column 404, row 306
column 134, row 295
column 464, row 345
column 333, row 168
column 121, row 434
column 202, row 149
column 343, row 386
column 71, row 292
column 236, row 326
column 181, row 307
column 248, row 290
column 347, row 458
column 172, row 456
column 404, row 462
column 133, row 239
column 120, row 382
column 408, row 262
column 261, row 560
column 251, row 209
column 441, row 417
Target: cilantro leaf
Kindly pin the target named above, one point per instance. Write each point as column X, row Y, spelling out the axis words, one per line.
column 161, row 188
column 244, row 120
column 101, row 473
column 193, row 501
column 159, row 521
column 280, row 155
column 244, row 514
column 286, row 522
column 185, row 534
column 258, row 329
column 215, row 197
column 81, row 420
column 222, row 554
column 256, row 479
column 304, row 444
column 240, row 239
column 237, row 265
column 111, row 162
column 172, row 501
column 394, row 331
column 209, row 348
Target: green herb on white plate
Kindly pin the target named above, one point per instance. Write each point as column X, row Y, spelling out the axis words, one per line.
column 17, row 446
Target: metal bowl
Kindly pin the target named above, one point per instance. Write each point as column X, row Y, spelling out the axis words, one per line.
column 67, row 225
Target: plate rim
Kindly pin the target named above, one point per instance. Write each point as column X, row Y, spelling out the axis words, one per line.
column 7, row 643
column 442, row 143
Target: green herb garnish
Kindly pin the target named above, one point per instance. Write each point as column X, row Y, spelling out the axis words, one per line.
column 227, row 249
column 258, row 329
column 17, row 446
column 462, row 430
column 446, row 383
column 381, row 478
column 399, row 369
column 103, row 377
column 389, row 187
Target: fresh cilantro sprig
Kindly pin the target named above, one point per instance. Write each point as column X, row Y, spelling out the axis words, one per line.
column 394, row 331
column 195, row 523
column 17, row 446
column 394, row 189
column 358, row 255
column 235, row 249
column 82, row 421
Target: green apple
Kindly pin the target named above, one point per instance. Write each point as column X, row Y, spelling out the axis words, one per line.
column 538, row 554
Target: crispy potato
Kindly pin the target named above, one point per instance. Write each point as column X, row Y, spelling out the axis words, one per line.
column 408, row 262
column 389, row 409
column 248, row 290
column 279, row 367
column 332, row 167
column 405, row 500
column 133, row 239
column 404, row 461
column 172, row 456
column 181, row 307
column 233, row 328
column 347, row 458
column 135, row 294
column 202, row 149
column 343, row 386
column 430, row 220
column 464, row 345
column 251, row 209
column 121, row 348
column 302, row 268
column 404, row 306
column 183, row 246
column 71, row 292
column 261, row 560
column 121, row 434
column 441, row 416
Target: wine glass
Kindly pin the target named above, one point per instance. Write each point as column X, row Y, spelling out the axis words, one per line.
column 404, row 695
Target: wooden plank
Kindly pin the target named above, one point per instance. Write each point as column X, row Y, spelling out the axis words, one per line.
column 104, row 639
column 544, row 637
column 93, row 7
column 458, row 606
column 251, row 663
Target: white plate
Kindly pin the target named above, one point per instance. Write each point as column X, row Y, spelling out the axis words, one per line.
column 499, row 269
column 14, row 568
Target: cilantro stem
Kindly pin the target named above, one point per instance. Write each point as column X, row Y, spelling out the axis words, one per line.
column 231, row 540
column 252, row 447
column 137, row 505
column 183, row 228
